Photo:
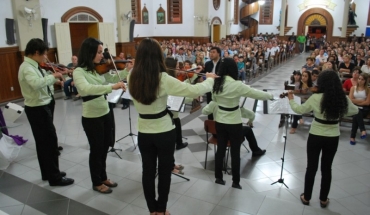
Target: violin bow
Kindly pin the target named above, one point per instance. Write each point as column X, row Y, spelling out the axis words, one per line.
column 51, row 65
column 114, row 64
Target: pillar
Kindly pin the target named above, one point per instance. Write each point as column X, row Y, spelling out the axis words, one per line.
column 282, row 18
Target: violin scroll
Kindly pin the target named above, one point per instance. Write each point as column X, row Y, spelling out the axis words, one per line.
column 283, row 95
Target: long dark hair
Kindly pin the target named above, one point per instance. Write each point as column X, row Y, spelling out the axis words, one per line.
column 309, row 80
column 227, row 67
column 171, row 65
column 87, row 53
column 145, row 76
column 334, row 104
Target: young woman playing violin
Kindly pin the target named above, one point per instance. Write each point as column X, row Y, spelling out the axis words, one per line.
column 96, row 120
column 150, row 86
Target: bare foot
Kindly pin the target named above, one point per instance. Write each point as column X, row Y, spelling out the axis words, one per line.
column 292, row 131
column 363, row 133
column 163, row 213
column 301, row 121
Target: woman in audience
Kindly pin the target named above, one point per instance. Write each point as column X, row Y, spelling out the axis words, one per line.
column 360, row 96
column 150, row 86
column 352, row 81
column 304, row 88
column 226, row 92
column 366, row 67
column 328, row 105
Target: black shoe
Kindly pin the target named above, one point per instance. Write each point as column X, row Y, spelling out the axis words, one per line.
column 60, row 148
column 237, row 186
column 62, row 174
column 62, row 182
column 181, row 146
column 259, row 153
column 220, row 181
column 124, row 107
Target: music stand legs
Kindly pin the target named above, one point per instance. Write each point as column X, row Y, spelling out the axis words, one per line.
column 115, row 151
column 129, row 134
column 281, row 179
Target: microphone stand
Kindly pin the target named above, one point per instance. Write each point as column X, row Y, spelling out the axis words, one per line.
column 281, row 179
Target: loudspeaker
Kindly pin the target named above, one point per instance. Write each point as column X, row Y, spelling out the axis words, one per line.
column 44, row 23
column 132, row 26
column 9, row 28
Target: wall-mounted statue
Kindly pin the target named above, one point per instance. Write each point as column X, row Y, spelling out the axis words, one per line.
column 352, row 13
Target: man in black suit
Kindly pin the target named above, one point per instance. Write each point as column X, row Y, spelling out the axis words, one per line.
column 212, row 66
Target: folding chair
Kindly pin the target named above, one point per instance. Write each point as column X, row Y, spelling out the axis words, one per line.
column 210, row 127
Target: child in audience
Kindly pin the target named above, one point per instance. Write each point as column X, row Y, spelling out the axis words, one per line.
column 241, row 68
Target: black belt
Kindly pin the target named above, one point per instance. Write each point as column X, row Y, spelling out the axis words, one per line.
column 229, row 109
column 326, row 121
column 88, row 98
column 157, row 115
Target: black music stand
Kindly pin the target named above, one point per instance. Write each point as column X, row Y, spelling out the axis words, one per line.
column 281, row 179
column 130, row 134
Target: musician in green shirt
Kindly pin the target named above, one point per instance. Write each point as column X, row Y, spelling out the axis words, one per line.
column 39, row 103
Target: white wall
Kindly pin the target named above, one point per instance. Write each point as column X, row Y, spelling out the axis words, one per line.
column 221, row 12
column 147, row 29
column 275, row 22
column 105, row 8
column 294, row 14
column 6, row 11
column 235, row 29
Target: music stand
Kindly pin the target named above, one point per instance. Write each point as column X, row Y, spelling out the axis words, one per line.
column 281, row 179
column 280, row 106
column 130, row 134
column 127, row 95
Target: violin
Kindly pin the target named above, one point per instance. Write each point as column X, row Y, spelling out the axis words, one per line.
column 184, row 74
column 106, row 66
column 283, row 95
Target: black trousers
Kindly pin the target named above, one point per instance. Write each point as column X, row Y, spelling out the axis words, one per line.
column 209, row 99
column 178, row 130
column 295, row 120
column 159, row 146
column 225, row 133
column 99, row 134
column 43, row 130
column 328, row 147
column 358, row 121
column 249, row 135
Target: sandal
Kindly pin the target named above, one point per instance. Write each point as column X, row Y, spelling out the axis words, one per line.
column 179, row 167
column 179, row 172
column 303, row 200
column 324, row 204
column 102, row 189
column 292, row 131
column 110, row 183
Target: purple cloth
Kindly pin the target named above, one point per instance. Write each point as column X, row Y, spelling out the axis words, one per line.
column 2, row 123
column 17, row 139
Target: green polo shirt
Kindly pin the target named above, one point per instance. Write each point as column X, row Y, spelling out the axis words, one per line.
column 90, row 84
column 33, row 84
column 313, row 104
column 167, row 86
column 230, row 96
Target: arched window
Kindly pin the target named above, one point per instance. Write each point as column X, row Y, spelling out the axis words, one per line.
column 174, row 11
column 82, row 17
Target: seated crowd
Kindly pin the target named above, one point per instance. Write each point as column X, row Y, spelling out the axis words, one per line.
column 351, row 61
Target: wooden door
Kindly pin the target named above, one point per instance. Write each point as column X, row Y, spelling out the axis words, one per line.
column 63, row 38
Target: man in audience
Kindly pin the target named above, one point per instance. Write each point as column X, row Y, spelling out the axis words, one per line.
column 69, row 84
column 321, row 58
column 180, row 56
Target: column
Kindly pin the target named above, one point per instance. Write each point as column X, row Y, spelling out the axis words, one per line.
column 282, row 18
column 345, row 18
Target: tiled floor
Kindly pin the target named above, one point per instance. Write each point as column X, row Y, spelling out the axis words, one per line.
column 23, row 192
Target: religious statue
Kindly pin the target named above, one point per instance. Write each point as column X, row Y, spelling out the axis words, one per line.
column 352, row 14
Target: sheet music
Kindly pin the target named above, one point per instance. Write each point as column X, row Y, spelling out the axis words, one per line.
column 127, row 94
column 114, row 96
column 279, row 105
column 175, row 102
